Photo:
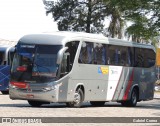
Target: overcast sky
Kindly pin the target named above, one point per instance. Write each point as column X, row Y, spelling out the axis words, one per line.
column 20, row 17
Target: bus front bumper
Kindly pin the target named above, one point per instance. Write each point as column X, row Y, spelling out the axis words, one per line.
column 46, row 96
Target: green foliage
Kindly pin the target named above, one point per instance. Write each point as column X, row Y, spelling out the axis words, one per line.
column 156, row 14
column 78, row 15
column 88, row 16
column 141, row 30
column 144, row 15
column 117, row 23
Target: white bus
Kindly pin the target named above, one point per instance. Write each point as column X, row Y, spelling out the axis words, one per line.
column 73, row 67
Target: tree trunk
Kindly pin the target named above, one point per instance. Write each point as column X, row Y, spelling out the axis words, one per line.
column 88, row 28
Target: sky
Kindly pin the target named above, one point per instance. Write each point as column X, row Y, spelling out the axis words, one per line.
column 21, row 17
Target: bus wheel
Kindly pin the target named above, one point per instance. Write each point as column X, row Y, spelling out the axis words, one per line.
column 133, row 100
column 35, row 103
column 5, row 92
column 78, row 99
column 97, row 103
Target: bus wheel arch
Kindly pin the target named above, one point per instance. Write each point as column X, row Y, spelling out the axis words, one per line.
column 133, row 98
column 137, row 89
column 82, row 88
column 78, row 97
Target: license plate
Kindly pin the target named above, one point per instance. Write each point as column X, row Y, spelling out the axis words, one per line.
column 30, row 96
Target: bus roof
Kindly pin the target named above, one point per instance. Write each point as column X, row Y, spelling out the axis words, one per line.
column 129, row 43
column 60, row 37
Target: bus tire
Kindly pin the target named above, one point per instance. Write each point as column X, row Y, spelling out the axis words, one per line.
column 133, row 100
column 35, row 103
column 78, row 99
column 97, row 103
column 5, row 92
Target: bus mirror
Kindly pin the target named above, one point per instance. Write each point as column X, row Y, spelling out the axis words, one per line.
column 60, row 55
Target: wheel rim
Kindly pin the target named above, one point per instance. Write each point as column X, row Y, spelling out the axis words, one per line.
column 134, row 97
column 77, row 98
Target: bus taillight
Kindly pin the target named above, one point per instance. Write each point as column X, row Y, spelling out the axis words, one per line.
column 22, row 68
column 19, row 84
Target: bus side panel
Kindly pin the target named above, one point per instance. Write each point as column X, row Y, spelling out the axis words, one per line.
column 115, row 78
column 93, row 90
column 93, row 78
column 63, row 89
column 123, row 82
column 4, row 77
column 146, row 80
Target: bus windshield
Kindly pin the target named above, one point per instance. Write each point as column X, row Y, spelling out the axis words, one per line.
column 35, row 63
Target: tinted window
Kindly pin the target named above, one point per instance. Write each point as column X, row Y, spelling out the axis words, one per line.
column 103, row 54
column 149, row 58
column 1, row 58
column 10, row 58
column 100, row 54
column 144, row 58
column 68, row 57
column 118, row 55
column 130, row 56
column 72, row 50
column 93, row 53
column 86, row 53
column 139, row 57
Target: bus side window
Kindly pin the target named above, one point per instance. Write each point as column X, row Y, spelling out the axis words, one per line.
column 68, row 57
column 118, row 55
column 65, row 64
column 10, row 57
column 72, row 50
column 100, row 54
column 139, row 57
column 130, row 56
column 123, row 57
column 86, row 53
column 1, row 58
column 149, row 60
column 114, row 54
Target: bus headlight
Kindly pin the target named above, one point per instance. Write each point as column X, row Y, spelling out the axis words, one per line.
column 55, row 87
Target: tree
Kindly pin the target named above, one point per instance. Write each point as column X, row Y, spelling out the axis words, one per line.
column 78, row 15
column 88, row 16
column 139, row 13
column 155, row 9
column 117, row 22
column 141, row 30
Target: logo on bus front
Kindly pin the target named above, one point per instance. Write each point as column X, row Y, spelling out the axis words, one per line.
column 103, row 70
column 29, row 88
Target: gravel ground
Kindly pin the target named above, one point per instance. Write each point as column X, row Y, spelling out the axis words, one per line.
column 19, row 108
